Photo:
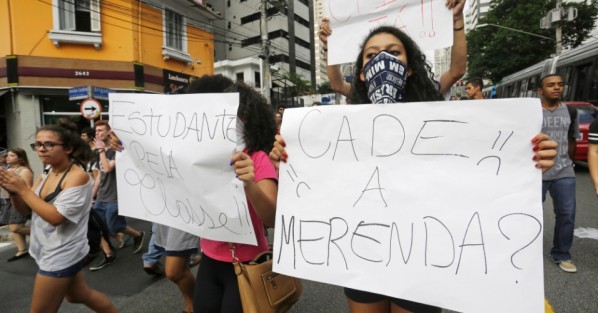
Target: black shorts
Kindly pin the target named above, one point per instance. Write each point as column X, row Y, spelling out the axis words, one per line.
column 368, row 297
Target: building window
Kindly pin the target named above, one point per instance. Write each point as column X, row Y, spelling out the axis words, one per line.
column 175, row 37
column 173, row 30
column 240, row 76
column 258, row 80
column 79, row 15
column 76, row 21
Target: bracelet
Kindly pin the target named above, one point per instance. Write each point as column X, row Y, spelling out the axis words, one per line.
column 458, row 29
column 101, row 150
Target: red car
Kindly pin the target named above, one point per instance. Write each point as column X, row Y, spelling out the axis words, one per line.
column 586, row 113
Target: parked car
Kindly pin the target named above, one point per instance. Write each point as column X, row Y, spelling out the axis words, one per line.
column 586, row 113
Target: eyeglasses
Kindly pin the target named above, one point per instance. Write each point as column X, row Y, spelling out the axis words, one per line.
column 48, row 145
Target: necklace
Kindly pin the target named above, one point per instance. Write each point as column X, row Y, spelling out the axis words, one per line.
column 58, row 173
column 550, row 108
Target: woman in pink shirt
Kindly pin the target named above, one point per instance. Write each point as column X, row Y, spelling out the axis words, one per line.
column 216, row 289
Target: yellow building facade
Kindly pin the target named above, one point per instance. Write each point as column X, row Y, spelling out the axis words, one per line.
column 50, row 47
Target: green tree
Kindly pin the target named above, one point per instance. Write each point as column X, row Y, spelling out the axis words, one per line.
column 324, row 88
column 495, row 52
column 298, row 86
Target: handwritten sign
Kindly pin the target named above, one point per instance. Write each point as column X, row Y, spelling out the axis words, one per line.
column 427, row 22
column 436, row 202
column 175, row 168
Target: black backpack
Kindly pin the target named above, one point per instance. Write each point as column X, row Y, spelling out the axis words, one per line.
column 573, row 114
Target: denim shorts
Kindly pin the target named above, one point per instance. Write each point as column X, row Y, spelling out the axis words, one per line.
column 68, row 272
column 187, row 252
column 109, row 212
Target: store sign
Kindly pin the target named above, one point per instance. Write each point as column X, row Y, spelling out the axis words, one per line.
column 175, row 82
column 79, row 93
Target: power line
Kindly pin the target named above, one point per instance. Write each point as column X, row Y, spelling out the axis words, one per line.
column 157, row 20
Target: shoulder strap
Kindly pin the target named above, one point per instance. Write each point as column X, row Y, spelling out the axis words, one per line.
column 573, row 114
column 58, row 189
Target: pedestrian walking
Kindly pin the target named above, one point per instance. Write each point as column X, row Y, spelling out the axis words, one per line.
column 106, row 203
column 559, row 181
column 59, row 202
column 17, row 162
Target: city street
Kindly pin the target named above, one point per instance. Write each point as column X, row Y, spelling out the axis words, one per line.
column 132, row 290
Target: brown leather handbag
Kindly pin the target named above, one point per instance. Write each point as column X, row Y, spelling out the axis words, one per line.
column 261, row 289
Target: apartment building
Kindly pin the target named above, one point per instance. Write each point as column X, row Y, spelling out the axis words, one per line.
column 57, row 53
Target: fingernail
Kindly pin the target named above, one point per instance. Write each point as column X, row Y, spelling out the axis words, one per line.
column 231, row 163
column 538, row 165
column 284, row 144
column 284, row 160
column 536, row 148
column 535, row 140
column 535, row 158
column 284, row 155
column 237, row 176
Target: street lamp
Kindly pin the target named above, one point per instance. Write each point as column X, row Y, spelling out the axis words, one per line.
column 515, row 30
column 558, row 48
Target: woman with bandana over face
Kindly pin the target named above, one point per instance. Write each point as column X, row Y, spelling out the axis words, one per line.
column 410, row 80
column 417, row 60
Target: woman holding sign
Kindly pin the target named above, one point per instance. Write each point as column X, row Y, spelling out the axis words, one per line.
column 445, row 81
column 216, row 289
column 60, row 202
column 391, row 68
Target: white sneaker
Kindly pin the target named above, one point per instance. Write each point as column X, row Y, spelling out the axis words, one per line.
column 568, row 266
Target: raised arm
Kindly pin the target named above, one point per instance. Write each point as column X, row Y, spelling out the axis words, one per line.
column 335, row 76
column 458, row 50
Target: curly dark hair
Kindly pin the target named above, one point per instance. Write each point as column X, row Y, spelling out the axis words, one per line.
column 68, row 133
column 254, row 111
column 420, row 86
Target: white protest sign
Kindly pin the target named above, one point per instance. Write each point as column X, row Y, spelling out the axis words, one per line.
column 434, row 202
column 175, row 167
column 429, row 23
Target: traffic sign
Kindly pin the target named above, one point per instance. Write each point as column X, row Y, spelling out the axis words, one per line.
column 79, row 93
column 91, row 109
column 101, row 93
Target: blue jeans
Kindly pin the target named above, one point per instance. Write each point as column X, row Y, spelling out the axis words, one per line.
column 562, row 192
column 154, row 252
column 109, row 212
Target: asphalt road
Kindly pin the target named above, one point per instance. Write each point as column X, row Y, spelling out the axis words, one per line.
column 132, row 290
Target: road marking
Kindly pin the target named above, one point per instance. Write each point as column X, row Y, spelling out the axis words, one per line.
column 4, row 244
column 547, row 307
column 586, row 232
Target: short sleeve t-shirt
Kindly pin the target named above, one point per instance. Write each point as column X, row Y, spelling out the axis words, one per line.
column 556, row 125
column 107, row 190
column 172, row 239
column 55, row 248
column 219, row 250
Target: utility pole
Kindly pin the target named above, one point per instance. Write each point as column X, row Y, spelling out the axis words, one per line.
column 554, row 18
column 265, row 53
column 558, row 31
